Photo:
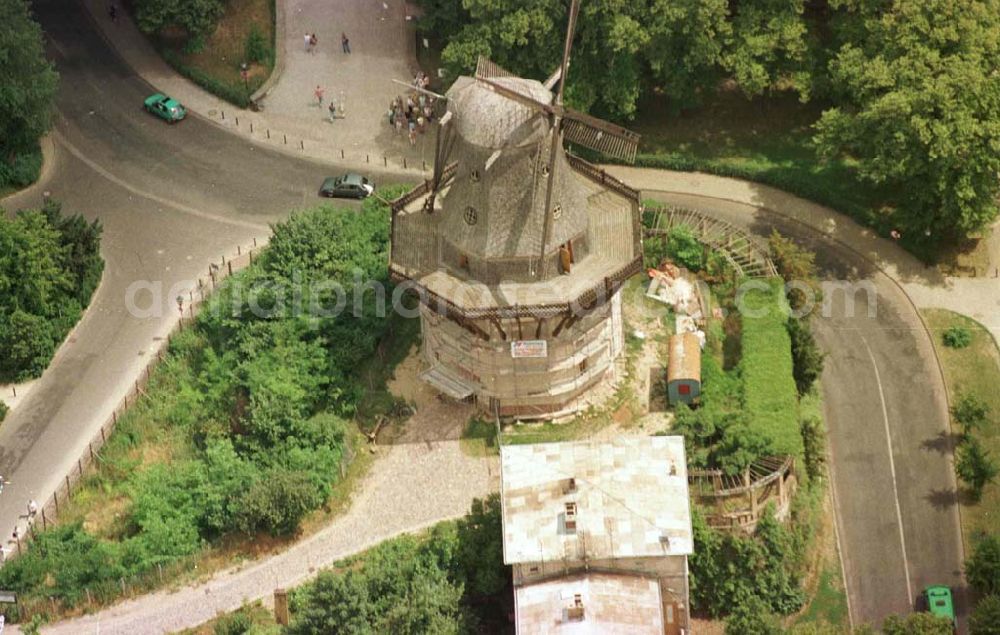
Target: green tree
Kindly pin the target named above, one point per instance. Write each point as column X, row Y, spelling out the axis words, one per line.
column 27, row 81
column 957, row 337
column 196, row 17
column 767, row 48
column 917, row 624
column 753, row 617
column 985, row 619
column 277, row 503
column 983, row 567
column 683, row 246
column 971, row 412
column 807, row 359
column 797, row 266
column 919, row 107
column 975, row 467
column 480, row 548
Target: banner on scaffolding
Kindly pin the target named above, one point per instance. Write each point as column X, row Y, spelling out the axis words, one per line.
column 529, row 348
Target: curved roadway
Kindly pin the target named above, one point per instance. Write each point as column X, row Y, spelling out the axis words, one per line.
column 893, row 482
column 173, row 198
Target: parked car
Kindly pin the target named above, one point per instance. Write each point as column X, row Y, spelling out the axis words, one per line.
column 939, row 602
column 164, row 107
column 347, row 186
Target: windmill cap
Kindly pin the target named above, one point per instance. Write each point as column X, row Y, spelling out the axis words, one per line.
column 488, row 119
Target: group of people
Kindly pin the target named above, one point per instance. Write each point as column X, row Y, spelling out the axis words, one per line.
column 311, row 41
column 414, row 112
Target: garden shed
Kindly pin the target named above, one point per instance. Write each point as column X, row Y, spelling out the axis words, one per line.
column 684, row 369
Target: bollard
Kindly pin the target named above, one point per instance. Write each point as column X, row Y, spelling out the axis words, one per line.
column 14, row 388
column 237, row 122
column 237, row 250
column 268, row 133
column 254, row 241
column 251, row 127
column 286, row 138
column 385, row 161
column 366, row 159
column 302, row 144
column 425, row 165
column 341, row 153
column 404, row 163
column 223, row 115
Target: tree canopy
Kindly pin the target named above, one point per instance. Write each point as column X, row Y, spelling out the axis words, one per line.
column 918, row 104
column 49, row 267
column 27, row 82
column 909, row 87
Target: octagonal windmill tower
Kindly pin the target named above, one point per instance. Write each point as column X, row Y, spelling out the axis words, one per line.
column 517, row 249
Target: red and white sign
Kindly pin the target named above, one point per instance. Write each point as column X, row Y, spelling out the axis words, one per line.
column 529, row 348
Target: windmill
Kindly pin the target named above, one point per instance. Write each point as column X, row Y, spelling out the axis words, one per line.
column 486, row 239
column 564, row 124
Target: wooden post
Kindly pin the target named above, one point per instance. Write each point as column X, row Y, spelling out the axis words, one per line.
column 45, row 522
column 90, row 446
column 230, row 265
column 67, row 486
column 55, row 499
column 79, row 466
column 281, row 606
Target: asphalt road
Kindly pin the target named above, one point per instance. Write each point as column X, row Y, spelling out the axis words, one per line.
column 893, row 483
column 171, row 199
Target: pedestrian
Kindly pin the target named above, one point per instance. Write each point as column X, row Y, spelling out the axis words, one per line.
column 345, row 43
column 333, row 112
column 313, row 41
column 319, row 95
column 308, row 41
column 413, row 135
column 32, row 508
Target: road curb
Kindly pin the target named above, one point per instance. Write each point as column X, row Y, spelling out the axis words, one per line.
column 279, row 52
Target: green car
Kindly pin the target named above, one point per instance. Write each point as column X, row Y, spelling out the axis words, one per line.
column 166, row 108
column 939, row 602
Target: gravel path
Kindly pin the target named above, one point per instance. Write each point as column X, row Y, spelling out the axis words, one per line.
column 409, row 488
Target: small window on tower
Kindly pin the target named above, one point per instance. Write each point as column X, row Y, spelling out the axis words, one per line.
column 471, row 216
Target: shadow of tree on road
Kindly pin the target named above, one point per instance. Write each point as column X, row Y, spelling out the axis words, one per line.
column 943, row 498
column 943, row 443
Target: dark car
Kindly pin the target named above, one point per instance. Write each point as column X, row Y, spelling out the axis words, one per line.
column 347, row 186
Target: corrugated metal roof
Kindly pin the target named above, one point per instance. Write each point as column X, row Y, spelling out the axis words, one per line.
column 612, row 604
column 631, row 497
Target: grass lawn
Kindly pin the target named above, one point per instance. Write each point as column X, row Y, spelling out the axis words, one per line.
column 768, row 141
column 479, row 438
column 216, row 66
column 973, row 370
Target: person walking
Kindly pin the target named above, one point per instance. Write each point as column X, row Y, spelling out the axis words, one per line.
column 319, row 95
column 345, row 43
column 308, row 40
column 313, row 41
column 333, row 112
column 32, row 508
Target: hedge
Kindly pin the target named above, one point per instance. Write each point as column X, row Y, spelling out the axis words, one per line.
column 22, row 171
column 235, row 93
column 771, row 400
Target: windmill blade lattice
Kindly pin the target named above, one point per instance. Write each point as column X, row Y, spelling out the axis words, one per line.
column 600, row 136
